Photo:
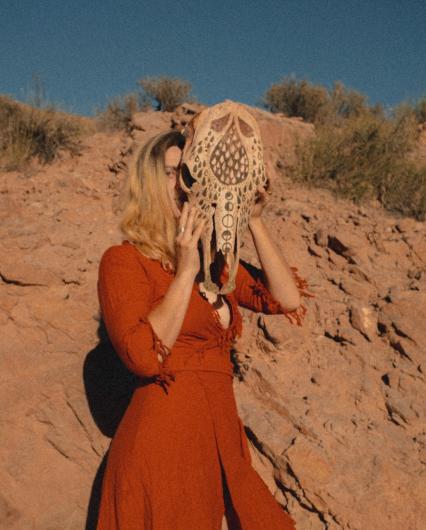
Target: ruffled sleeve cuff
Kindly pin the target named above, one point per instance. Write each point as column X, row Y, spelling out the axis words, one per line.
column 165, row 376
column 158, row 345
column 272, row 306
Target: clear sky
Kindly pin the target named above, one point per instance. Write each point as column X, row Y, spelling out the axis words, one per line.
column 87, row 51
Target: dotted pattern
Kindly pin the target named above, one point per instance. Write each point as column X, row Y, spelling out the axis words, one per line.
column 226, row 164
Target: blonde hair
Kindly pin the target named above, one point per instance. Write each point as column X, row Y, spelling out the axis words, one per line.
column 147, row 219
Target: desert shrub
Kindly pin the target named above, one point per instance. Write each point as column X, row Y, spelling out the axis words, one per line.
column 406, row 192
column 420, row 110
column 315, row 103
column 346, row 103
column 166, row 93
column 119, row 111
column 297, row 99
column 367, row 156
column 163, row 93
column 27, row 132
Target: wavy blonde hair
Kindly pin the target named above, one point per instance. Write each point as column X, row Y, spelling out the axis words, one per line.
column 147, row 219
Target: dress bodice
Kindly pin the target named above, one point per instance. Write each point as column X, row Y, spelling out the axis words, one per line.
column 131, row 284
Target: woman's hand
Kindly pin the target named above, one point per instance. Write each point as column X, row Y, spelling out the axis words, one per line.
column 188, row 257
column 262, row 197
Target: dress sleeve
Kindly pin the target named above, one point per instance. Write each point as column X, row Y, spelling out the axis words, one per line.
column 251, row 292
column 124, row 293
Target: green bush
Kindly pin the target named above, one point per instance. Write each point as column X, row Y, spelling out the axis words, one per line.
column 358, row 151
column 165, row 92
column 346, row 103
column 367, row 156
column 27, row 132
column 406, row 192
column 297, row 99
column 315, row 103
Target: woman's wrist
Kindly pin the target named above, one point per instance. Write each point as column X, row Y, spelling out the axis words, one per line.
column 255, row 223
column 185, row 276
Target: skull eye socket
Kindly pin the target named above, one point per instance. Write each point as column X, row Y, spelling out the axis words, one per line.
column 186, row 178
column 245, row 128
column 219, row 124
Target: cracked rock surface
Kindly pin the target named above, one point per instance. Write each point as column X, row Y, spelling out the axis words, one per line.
column 334, row 410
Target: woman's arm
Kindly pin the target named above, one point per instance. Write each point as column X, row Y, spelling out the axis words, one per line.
column 167, row 316
column 140, row 334
column 278, row 274
column 125, row 296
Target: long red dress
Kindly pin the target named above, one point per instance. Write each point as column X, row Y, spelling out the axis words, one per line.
column 180, row 458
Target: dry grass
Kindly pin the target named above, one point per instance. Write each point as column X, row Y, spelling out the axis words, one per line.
column 420, row 110
column 166, row 92
column 119, row 111
column 359, row 151
column 28, row 133
column 162, row 93
column 367, row 156
column 315, row 103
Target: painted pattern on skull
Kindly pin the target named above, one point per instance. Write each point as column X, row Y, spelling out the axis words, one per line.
column 229, row 160
column 223, row 161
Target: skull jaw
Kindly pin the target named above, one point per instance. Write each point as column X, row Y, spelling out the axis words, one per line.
column 226, row 288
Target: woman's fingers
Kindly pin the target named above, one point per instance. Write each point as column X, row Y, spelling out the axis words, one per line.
column 184, row 216
column 192, row 222
column 197, row 232
column 188, row 226
column 184, row 220
column 261, row 194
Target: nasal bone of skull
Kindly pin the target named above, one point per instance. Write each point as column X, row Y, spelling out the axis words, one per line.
column 217, row 257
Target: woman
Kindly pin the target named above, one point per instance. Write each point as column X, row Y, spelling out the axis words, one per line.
column 180, row 458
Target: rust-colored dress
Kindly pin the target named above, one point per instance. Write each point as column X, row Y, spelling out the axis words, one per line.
column 180, row 459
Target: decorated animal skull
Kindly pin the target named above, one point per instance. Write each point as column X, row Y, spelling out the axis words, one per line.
column 222, row 166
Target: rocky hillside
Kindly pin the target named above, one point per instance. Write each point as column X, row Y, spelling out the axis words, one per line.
column 334, row 410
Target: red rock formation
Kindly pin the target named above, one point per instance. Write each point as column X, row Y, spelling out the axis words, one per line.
column 335, row 410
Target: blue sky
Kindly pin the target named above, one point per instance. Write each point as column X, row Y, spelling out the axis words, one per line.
column 87, row 52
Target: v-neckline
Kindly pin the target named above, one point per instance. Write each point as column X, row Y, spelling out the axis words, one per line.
column 215, row 312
